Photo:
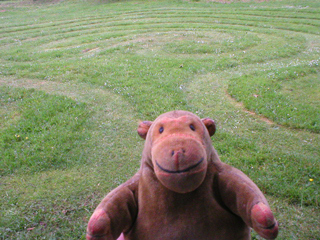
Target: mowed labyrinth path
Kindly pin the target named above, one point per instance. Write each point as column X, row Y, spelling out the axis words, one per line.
column 128, row 46
column 131, row 61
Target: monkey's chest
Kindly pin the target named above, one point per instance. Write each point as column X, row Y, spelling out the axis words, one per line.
column 185, row 217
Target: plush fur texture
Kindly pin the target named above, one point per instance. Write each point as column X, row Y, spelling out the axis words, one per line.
column 182, row 190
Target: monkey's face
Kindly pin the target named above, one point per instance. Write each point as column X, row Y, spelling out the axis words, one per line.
column 178, row 152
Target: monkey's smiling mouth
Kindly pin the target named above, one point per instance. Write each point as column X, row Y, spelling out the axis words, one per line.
column 180, row 171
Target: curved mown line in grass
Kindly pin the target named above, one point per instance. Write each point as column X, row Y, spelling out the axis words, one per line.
column 40, row 131
column 252, row 143
column 158, row 17
column 90, row 35
column 269, row 95
column 110, row 120
column 73, row 45
column 157, row 24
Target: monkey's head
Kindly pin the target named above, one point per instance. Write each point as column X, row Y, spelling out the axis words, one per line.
column 177, row 148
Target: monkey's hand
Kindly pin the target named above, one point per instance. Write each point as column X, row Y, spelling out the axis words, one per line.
column 263, row 221
column 116, row 212
column 99, row 226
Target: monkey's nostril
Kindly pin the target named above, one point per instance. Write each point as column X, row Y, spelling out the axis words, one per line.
column 172, row 153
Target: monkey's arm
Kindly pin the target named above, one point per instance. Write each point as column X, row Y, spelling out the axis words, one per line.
column 116, row 212
column 245, row 199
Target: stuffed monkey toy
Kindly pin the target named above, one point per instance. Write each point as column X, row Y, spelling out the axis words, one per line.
column 182, row 190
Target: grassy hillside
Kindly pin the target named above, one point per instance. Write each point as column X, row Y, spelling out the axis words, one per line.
column 76, row 77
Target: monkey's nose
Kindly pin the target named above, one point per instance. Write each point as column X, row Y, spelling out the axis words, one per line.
column 179, row 152
column 177, row 157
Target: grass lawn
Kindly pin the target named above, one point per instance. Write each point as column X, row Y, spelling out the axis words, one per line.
column 76, row 77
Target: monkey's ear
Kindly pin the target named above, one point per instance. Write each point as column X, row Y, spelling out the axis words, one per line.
column 210, row 124
column 144, row 128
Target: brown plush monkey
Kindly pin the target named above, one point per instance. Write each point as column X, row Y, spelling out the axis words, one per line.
column 182, row 190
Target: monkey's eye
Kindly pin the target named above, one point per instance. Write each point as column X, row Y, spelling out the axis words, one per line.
column 161, row 129
column 192, row 127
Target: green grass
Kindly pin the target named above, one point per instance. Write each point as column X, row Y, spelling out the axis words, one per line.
column 289, row 96
column 76, row 77
column 40, row 131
